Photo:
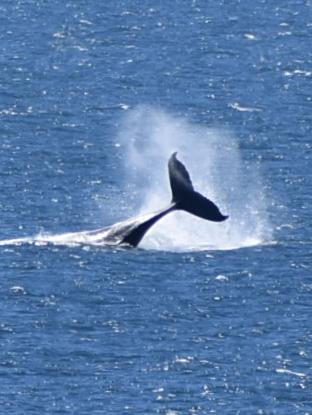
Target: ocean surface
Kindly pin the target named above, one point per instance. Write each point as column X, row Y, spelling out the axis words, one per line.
column 201, row 318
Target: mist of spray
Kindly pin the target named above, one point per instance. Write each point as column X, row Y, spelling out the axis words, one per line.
column 148, row 137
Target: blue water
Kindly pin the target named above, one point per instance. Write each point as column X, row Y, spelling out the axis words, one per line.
column 202, row 318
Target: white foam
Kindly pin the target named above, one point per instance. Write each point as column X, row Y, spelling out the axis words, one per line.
column 68, row 239
column 291, row 372
column 238, row 107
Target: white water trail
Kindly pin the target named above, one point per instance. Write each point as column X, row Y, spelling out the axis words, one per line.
column 212, row 156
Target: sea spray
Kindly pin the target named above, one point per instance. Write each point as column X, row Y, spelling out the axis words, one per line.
column 148, row 136
column 146, row 140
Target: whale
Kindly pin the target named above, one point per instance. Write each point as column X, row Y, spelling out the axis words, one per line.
column 184, row 198
column 129, row 233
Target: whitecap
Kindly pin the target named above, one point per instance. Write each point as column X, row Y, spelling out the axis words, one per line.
column 238, row 107
column 290, row 372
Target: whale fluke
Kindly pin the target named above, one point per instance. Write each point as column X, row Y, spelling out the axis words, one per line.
column 184, row 197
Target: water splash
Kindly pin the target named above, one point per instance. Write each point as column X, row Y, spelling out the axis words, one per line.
column 148, row 137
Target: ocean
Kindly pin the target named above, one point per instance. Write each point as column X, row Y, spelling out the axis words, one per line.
column 202, row 317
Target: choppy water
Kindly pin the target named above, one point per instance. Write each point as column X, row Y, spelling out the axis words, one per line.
column 203, row 318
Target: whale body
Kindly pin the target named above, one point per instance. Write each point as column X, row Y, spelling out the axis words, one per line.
column 129, row 233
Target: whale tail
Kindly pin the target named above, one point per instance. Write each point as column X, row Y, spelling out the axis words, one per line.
column 184, row 197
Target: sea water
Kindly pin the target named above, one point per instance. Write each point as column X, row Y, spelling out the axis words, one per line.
column 203, row 317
